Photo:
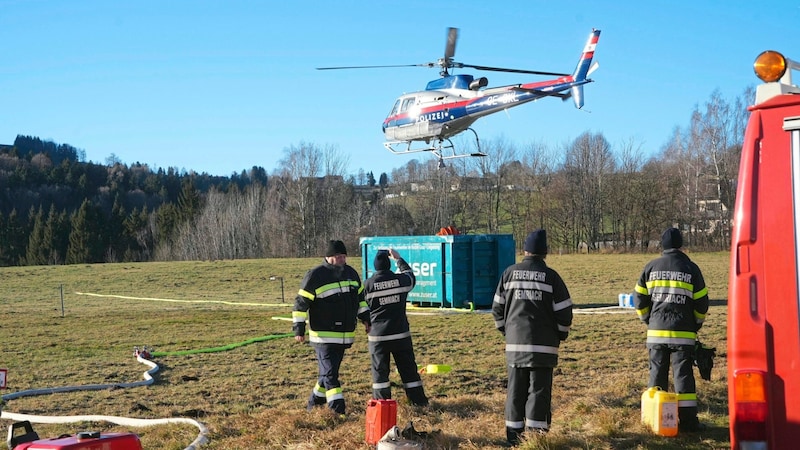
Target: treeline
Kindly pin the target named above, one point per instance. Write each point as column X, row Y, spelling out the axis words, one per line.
column 57, row 209
column 590, row 195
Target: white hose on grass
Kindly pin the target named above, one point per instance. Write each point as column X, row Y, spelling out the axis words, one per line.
column 603, row 310
column 202, row 437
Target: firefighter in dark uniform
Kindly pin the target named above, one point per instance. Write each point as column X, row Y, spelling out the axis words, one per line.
column 390, row 335
column 672, row 299
column 331, row 299
column 533, row 309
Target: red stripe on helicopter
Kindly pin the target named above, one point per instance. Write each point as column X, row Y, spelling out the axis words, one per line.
column 544, row 84
column 431, row 109
column 446, row 106
column 588, row 52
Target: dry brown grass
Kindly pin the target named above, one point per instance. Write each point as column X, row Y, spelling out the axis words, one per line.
column 253, row 396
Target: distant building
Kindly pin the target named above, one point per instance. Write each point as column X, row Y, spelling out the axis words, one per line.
column 366, row 190
column 326, row 178
column 468, row 184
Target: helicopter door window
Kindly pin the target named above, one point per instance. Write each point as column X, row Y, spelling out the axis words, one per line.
column 407, row 104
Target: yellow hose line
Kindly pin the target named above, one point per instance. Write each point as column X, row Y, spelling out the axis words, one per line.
column 222, row 302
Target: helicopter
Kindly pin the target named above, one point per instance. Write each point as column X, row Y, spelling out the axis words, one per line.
column 424, row 121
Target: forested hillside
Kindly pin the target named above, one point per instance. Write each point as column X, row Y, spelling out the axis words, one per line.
column 56, row 209
column 590, row 194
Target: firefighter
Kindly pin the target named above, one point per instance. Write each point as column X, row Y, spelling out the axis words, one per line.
column 672, row 299
column 533, row 309
column 390, row 335
column 331, row 299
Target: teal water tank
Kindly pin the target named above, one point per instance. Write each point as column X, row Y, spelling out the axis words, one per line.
column 453, row 271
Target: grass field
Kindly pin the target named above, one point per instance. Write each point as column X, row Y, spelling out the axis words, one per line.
column 253, row 396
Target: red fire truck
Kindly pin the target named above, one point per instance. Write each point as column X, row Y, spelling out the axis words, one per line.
column 763, row 295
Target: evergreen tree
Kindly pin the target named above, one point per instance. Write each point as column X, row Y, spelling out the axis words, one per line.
column 258, row 176
column 56, row 236
column 141, row 240
column 4, row 244
column 167, row 221
column 189, row 201
column 85, row 238
column 14, row 234
column 118, row 240
column 83, row 185
column 36, row 252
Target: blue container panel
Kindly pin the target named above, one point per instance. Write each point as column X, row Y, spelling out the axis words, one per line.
column 451, row 271
column 484, row 273
column 478, row 263
column 426, row 259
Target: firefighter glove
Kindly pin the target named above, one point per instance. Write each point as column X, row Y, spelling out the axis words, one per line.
column 704, row 359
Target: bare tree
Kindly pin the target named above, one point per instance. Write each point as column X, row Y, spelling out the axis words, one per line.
column 298, row 172
column 276, row 223
column 409, row 173
column 540, row 162
column 300, row 206
column 588, row 166
column 623, row 195
column 485, row 189
column 428, row 199
column 230, row 226
column 683, row 164
column 710, row 135
column 561, row 213
column 704, row 157
column 528, row 182
column 720, row 132
column 654, row 202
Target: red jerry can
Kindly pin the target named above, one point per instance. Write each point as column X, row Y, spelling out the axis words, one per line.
column 381, row 416
column 86, row 441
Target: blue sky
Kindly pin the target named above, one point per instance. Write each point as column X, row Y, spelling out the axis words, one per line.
column 221, row 86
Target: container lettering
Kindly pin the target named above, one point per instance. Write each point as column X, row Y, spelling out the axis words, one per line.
column 424, row 269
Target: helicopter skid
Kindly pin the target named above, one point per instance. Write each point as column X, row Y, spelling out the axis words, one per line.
column 444, row 149
column 438, row 151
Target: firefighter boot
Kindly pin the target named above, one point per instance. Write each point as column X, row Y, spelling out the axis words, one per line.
column 687, row 420
column 513, row 435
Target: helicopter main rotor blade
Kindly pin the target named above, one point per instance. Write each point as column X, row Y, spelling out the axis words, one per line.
column 376, row 67
column 500, row 69
column 452, row 37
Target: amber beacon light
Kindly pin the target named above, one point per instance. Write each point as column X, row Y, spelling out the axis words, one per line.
column 770, row 66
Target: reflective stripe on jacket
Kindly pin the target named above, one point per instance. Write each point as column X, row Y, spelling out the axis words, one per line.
column 672, row 299
column 331, row 299
column 533, row 308
column 386, row 296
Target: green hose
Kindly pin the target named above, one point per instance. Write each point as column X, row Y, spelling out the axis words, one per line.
column 224, row 347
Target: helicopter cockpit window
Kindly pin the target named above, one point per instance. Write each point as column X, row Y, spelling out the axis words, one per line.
column 407, row 104
column 395, row 108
